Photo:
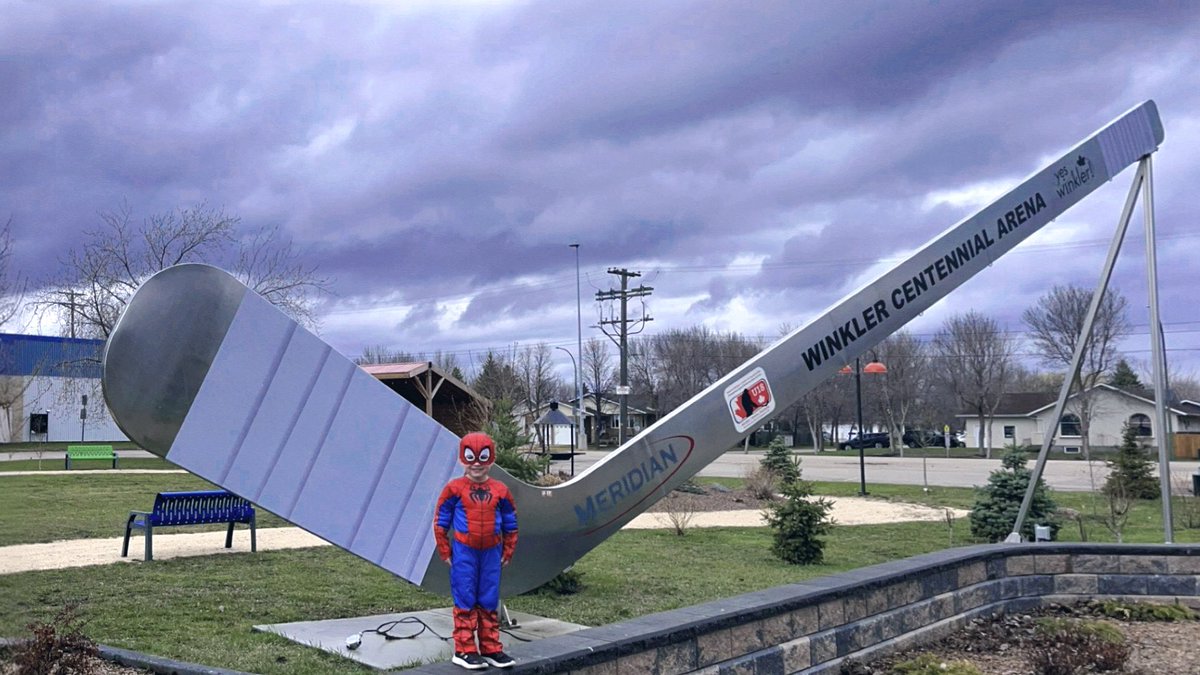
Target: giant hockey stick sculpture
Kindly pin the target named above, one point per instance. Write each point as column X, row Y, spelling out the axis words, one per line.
column 207, row 374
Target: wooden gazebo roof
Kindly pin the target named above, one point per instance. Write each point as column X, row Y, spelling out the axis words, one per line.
column 445, row 398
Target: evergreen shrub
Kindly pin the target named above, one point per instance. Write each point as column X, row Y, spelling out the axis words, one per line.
column 780, row 462
column 798, row 521
column 1131, row 472
column 995, row 509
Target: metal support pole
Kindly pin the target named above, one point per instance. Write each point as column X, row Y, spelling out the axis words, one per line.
column 1080, row 347
column 1162, row 424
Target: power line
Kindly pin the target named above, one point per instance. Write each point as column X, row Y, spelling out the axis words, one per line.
column 555, row 281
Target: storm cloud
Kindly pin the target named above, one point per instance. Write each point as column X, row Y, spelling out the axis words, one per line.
column 756, row 160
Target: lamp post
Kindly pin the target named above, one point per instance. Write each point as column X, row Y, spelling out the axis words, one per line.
column 872, row 368
column 578, row 417
column 579, row 365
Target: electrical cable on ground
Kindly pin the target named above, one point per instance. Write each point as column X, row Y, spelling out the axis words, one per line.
column 385, row 630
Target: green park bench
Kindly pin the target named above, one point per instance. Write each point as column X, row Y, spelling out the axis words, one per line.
column 77, row 452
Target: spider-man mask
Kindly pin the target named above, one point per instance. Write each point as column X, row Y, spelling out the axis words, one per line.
column 477, row 449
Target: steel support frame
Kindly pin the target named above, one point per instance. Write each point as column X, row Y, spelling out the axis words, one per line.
column 1142, row 181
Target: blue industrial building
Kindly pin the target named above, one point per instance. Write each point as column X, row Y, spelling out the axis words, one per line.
column 50, row 390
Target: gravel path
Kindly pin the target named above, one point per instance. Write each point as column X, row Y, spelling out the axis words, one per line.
column 86, row 552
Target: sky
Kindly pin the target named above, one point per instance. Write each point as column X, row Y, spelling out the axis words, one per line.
column 755, row 161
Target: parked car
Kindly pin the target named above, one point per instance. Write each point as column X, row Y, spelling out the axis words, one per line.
column 939, row 441
column 870, row 440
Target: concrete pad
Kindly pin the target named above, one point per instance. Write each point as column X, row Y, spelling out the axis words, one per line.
column 423, row 636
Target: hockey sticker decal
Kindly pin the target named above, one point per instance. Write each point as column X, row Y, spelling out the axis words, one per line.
column 749, row 399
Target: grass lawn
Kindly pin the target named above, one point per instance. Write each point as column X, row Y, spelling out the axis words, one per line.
column 201, row 609
column 89, row 504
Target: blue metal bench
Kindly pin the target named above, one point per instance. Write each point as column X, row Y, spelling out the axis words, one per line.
column 191, row 508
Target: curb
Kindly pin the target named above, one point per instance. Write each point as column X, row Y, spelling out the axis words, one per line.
column 155, row 664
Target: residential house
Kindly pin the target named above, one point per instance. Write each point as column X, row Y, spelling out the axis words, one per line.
column 599, row 427
column 1025, row 418
column 556, row 434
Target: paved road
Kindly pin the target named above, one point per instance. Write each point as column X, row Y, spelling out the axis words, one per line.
column 941, row 471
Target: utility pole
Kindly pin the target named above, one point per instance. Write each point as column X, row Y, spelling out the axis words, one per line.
column 622, row 334
column 71, row 308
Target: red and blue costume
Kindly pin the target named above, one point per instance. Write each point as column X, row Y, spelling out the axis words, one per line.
column 476, row 531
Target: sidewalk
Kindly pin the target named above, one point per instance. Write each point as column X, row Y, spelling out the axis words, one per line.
column 50, row 455
column 89, row 552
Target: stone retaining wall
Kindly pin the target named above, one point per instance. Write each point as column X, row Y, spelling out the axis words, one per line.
column 812, row 627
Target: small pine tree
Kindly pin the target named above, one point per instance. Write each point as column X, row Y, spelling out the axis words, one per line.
column 780, row 462
column 1124, row 377
column 996, row 508
column 1131, row 470
column 509, row 439
column 797, row 522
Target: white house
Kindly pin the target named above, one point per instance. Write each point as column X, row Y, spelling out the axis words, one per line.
column 599, row 427
column 1024, row 418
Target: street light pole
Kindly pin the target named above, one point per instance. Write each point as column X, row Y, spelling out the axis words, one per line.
column 862, row 462
column 574, row 437
column 872, row 368
column 578, row 366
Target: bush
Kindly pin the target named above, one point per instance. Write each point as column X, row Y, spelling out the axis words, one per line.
column 780, row 461
column 520, row 466
column 798, row 522
column 1067, row 647
column 1142, row 611
column 761, row 483
column 995, row 510
column 1131, row 471
column 57, row 647
column 691, row 487
column 568, row 582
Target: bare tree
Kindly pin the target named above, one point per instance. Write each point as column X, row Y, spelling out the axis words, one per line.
column 821, row 405
column 12, row 297
column 377, row 354
column 690, row 359
column 643, row 372
column 976, row 363
column 598, row 373
column 1027, row 380
column 907, row 372
column 1186, row 387
column 1056, row 322
column 535, row 370
column 98, row 278
column 12, row 283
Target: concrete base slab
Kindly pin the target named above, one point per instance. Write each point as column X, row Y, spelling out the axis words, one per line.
column 413, row 637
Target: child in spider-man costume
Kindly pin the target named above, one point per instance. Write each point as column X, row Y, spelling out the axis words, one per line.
column 481, row 513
